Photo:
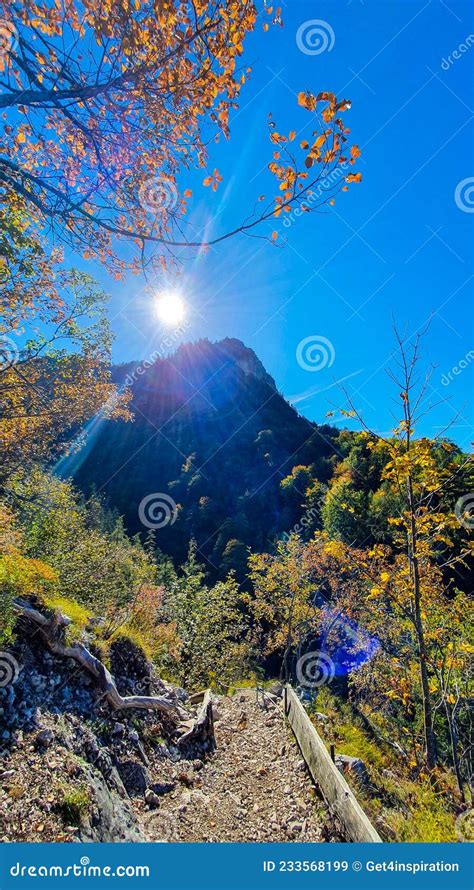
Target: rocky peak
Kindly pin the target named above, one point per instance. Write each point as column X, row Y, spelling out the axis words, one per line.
column 246, row 359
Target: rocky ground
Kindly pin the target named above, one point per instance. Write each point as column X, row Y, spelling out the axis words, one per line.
column 255, row 787
column 71, row 770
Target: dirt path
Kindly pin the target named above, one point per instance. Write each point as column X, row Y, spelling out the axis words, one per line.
column 254, row 788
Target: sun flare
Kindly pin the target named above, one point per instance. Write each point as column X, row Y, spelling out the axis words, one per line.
column 170, row 307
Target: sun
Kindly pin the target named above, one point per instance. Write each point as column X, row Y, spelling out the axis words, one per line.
column 170, row 307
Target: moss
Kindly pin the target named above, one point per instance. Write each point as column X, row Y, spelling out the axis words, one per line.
column 130, row 633
column 78, row 614
column 74, row 804
column 152, row 735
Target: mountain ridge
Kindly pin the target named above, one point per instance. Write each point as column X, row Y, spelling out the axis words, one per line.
column 212, row 432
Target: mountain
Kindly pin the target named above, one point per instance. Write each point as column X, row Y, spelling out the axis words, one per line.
column 211, row 432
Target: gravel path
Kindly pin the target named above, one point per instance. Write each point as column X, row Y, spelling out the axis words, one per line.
column 255, row 787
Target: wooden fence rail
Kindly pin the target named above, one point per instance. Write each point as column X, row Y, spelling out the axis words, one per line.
column 335, row 790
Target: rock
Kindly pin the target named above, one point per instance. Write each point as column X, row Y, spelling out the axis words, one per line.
column 199, row 796
column 44, row 738
column 321, row 718
column 276, row 689
column 197, row 765
column 135, row 777
column 186, row 779
column 133, row 736
column 152, row 799
column 110, row 817
column 162, row 787
column 301, row 766
column 355, row 767
column 118, row 729
column 36, row 680
column 129, row 666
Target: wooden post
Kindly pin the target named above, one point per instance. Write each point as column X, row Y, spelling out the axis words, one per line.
column 333, row 785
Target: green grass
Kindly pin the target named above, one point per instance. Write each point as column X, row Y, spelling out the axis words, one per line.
column 429, row 817
column 402, row 808
column 74, row 804
column 78, row 614
column 130, row 633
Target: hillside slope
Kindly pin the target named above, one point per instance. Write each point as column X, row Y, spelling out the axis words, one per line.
column 211, row 431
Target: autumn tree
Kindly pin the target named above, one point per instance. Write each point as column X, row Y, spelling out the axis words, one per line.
column 107, row 106
column 95, row 563
column 422, row 527
column 106, row 109
column 393, row 612
column 60, row 376
column 283, row 612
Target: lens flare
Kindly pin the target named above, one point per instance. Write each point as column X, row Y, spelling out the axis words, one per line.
column 170, row 308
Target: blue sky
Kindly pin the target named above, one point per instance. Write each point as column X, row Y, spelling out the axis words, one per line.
column 398, row 246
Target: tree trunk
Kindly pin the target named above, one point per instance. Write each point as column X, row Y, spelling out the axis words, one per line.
column 453, row 737
column 51, row 630
column 430, row 740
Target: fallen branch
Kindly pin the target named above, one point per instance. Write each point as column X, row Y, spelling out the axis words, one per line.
column 51, row 630
column 203, row 727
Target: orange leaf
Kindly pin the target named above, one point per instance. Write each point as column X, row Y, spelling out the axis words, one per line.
column 354, row 177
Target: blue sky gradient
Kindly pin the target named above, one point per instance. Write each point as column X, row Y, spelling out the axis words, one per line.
column 397, row 247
